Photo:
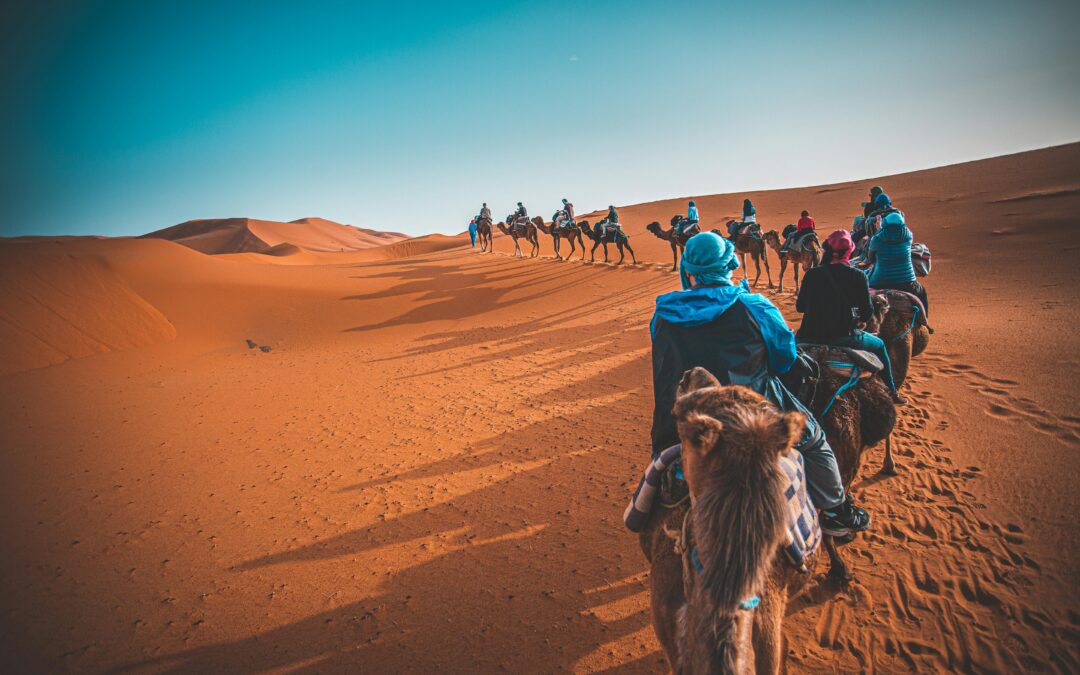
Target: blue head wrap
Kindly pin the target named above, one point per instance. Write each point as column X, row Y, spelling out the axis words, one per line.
column 710, row 258
column 883, row 200
column 895, row 218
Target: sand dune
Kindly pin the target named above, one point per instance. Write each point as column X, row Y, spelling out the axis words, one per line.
column 249, row 235
column 427, row 469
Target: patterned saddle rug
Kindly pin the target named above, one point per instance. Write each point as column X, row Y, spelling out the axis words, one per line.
column 663, row 481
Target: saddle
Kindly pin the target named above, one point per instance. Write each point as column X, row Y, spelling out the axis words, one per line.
column 908, row 304
column 844, row 360
column 664, row 485
column 799, row 240
column 691, row 230
column 736, row 227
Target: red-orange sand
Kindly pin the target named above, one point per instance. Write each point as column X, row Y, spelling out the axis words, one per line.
column 427, row 470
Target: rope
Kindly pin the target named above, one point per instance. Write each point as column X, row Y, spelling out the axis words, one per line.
column 914, row 318
column 856, row 372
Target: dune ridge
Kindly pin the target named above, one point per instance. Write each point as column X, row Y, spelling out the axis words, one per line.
column 250, row 235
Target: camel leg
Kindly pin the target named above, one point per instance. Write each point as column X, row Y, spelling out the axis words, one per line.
column 632, row 256
column 757, row 268
column 838, row 569
column 581, row 240
column 605, row 252
column 592, row 253
column 674, row 256
column 768, row 637
column 768, row 273
column 889, row 467
column 783, row 269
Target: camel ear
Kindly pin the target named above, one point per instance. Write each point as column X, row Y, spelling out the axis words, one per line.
column 694, row 379
column 699, row 432
column 795, row 424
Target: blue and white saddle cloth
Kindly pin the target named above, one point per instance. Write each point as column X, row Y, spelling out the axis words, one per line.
column 803, row 530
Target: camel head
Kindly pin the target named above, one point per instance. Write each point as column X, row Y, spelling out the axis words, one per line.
column 881, row 308
column 772, row 238
column 654, row 227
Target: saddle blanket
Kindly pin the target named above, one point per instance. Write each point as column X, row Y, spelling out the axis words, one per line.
column 803, row 530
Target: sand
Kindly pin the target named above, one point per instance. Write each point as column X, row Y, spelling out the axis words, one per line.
column 428, row 467
column 243, row 235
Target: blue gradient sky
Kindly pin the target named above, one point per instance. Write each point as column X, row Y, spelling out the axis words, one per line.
column 125, row 117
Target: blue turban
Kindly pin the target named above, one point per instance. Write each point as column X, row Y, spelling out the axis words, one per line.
column 883, row 200
column 894, row 218
column 710, row 258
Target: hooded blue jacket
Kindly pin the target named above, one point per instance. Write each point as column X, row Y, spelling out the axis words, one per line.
column 891, row 247
column 738, row 336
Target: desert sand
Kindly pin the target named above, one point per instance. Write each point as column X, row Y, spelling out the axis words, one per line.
column 426, row 469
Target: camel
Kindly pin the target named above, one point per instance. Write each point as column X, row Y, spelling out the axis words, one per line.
column 528, row 233
column 900, row 321
column 569, row 233
column 734, row 527
column 672, row 236
column 483, row 234
column 854, row 421
column 808, row 257
column 612, row 236
column 745, row 243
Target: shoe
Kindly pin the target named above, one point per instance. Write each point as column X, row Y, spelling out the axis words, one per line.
column 844, row 519
column 899, row 400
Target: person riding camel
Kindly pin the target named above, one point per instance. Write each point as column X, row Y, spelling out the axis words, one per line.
column 835, row 304
column 688, row 223
column 805, row 226
column 869, row 206
column 485, row 213
column 741, row 338
column 612, row 221
column 890, row 258
column 566, row 218
column 521, row 216
column 749, row 219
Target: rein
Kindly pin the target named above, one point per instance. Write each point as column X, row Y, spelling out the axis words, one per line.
column 914, row 318
column 856, row 372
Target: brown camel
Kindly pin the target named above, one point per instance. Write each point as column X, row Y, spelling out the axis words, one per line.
column 750, row 241
column 808, row 257
column 854, row 421
column 569, row 233
column 527, row 232
column 729, row 535
column 612, row 236
column 900, row 321
column 483, row 233
column 672, row 236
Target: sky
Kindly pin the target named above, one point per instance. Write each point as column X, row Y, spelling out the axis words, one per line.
column 120, row 118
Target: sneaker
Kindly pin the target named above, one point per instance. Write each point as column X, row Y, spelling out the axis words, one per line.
column 899, row 400
column 844, row 519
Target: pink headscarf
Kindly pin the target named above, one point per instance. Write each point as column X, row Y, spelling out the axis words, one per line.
column 841, row 246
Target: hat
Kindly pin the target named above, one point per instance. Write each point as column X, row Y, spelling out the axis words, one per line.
column 710, row 258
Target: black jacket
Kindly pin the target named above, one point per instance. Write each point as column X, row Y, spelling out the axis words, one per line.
column 828, row 296
column 732, row 348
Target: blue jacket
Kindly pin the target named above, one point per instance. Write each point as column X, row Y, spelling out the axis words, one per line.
column 691, row 213
column 738, row 336
column 749, row 211
column 891, row 247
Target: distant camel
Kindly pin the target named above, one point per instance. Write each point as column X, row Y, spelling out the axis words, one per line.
column 526, row 232
column 569, row 233
column 612, row 236
column 808, row 257
column 900, row 320
column 672, row 236
column 747, row 242
column 483, row 233
column 729, row 534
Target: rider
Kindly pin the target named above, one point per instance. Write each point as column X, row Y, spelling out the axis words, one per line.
column 612, row 220
column 805, row 225
column 521, row 215
column 868, row 206
column 568, row 213
column 485, row 213
column 740, row 337
column 890, row 255
column 835, row 303
column 691, row 219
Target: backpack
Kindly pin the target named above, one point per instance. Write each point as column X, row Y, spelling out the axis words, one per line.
column 920, row 259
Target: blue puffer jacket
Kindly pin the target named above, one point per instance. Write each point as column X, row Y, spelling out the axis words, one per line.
column 891, row 247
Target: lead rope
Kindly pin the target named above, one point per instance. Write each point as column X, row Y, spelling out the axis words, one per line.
column 856, row 372
column 914, row 318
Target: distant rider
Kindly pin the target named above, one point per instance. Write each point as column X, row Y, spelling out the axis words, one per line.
column 691, row 219
column 805, row 225
column 612, row 221
column 567, row 219
column 521, row 216
column 890, row 257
